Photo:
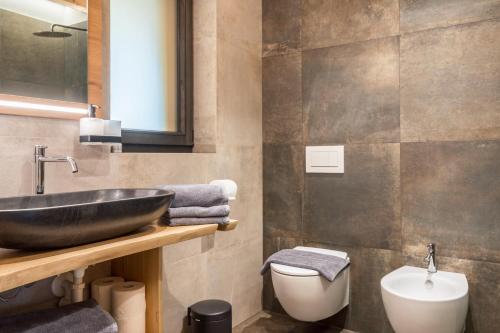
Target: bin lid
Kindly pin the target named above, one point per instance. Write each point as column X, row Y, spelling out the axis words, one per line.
column 211, row 310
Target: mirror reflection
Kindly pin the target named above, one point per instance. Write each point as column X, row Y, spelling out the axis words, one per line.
column 43, row 49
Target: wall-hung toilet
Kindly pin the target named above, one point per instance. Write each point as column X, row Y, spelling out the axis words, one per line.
column 307, row 296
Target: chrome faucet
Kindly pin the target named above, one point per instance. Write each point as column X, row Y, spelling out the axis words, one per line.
column 41, row 159
column 431, row 258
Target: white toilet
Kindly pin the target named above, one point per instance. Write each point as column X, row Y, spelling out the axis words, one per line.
column 307, row 296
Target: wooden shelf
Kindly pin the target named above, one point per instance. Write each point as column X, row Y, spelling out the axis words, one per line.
column 228, row 227
column 136, row 257
column 18, row 268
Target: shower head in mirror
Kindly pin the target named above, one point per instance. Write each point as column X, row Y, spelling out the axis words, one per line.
column 52, row 34
column 57, row 34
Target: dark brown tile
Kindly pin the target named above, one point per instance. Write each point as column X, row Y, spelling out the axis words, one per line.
column 366, row 311
column 450, row 86
column 450, row 196
column 274, row 242
column 334, row 22
column 282, row 99
column 280, row 26
column 428, row 14
column 360, row 207
column 484, row 290
column 283, row 186
column 351, row 93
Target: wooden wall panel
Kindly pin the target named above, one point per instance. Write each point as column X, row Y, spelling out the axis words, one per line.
column 95, row 71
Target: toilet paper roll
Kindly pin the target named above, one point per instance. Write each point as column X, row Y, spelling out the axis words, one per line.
column 100, row 290
column 128, row 304
column 132, row 324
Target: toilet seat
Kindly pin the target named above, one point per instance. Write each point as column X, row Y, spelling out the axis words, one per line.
column 296, row 271
column 307, row 296
column 293, row 271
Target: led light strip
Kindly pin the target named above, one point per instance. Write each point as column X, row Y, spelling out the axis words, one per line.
column 44, row 107
column 45, row 10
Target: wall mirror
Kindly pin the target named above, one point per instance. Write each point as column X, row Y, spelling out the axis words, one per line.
column 43, row 49
column 133, row 58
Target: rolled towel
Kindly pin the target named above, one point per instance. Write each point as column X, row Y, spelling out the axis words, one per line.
column 80, row 317
column 196, row 221
column 215, row 211
column 201, row 195
column 327, row 265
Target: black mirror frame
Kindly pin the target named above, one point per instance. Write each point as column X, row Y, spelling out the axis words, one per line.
column 182, row 139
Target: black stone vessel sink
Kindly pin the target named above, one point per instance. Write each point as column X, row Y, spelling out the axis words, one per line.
column 60, row 220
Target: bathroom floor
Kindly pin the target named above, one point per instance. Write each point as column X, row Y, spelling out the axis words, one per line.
column 265, row 322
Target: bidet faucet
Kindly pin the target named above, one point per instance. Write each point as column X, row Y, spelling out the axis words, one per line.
column 41, row 159
column 431, row 258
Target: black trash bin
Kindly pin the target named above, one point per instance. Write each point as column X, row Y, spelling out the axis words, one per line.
column 210, row 316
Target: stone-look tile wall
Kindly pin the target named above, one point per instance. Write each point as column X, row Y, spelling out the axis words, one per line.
column 412, row 89
column 228, row 97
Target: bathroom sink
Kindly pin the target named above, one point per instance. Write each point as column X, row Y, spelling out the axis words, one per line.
column 417, row 301
column 60, row 220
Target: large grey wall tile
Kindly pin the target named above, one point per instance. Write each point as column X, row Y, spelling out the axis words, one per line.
column 283, row 186
column 428, row 14
column 21, row 88
column 351, row 93
column 282, row 99
column 27, row 57
column 359, row 207
column 450, row 83
column 281, row 20
column 484, row 290
column 365, row 313
column 75, row 66
column 273, row 244
column 366, row 310
column 335, row 22
column 450, row 196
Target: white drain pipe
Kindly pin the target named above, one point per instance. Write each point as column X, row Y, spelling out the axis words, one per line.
column 78, row 285
column 69, row 286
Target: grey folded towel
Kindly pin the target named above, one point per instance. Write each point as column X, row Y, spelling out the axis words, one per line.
column 196, row 221
column 215, row 211
column 326, row 265
column 83, row 317
column 201, row 195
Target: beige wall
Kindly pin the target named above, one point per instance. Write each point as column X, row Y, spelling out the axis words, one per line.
column 228, row 117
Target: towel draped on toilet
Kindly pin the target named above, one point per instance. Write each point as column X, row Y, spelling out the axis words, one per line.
column 326, row 265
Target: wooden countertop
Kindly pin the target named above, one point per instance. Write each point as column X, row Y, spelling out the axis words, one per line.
column 18, row 268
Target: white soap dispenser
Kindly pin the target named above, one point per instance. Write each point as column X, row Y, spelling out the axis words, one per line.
column 91, row 126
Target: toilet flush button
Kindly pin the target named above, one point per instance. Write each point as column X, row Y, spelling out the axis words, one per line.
column 325, row 159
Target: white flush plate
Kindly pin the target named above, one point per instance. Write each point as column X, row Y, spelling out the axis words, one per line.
column 325, row 159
